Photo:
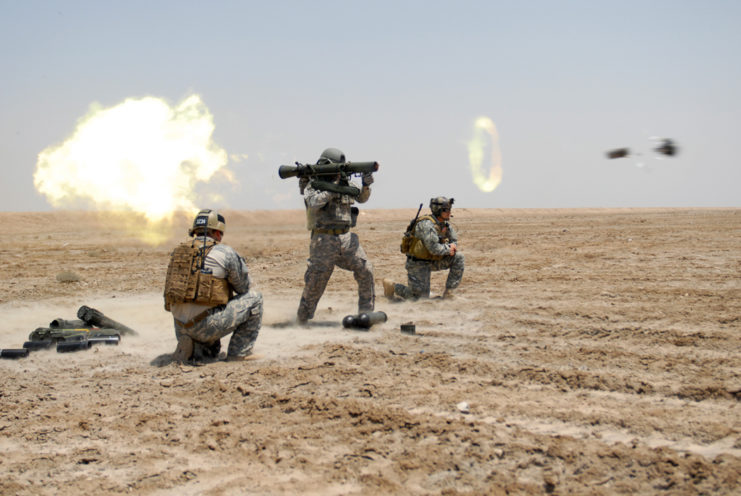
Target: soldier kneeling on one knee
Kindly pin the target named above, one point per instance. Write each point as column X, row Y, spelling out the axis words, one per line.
column 430, row 244
column 209, row 292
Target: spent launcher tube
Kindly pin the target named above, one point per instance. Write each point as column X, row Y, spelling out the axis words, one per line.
column 313, row 170
column 14, row 353
column 92, row 328
column 84, row 344
column 96, row 318
column 70, row 339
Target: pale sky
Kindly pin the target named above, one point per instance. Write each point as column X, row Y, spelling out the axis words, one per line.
column 399, row 82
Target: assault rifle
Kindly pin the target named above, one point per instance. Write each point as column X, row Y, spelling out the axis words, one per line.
column 321, row 175
column 414, row 220
column 92, row 327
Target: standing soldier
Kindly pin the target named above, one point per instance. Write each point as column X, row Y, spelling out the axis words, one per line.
column 209, row 292
column 330, row 215
column 431, row 244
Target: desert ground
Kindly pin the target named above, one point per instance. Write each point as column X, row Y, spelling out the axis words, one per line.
column 589, row 351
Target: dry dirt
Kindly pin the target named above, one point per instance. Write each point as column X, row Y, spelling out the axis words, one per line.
column 598, row 352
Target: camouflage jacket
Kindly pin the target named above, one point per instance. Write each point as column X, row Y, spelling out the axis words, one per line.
column 328, row 210
column 435, row 235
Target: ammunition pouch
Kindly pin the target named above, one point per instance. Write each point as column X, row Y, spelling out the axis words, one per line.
column 354, row 212
column 211, row 290
column 186, row 283
column 406, row 242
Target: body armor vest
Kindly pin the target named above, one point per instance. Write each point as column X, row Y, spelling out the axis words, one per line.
column 187, row 283
column 336, row 214
column 415, row 247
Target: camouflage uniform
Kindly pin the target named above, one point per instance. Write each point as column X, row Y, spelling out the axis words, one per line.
column 241, row 316
column 330, row 217
column 419, row 271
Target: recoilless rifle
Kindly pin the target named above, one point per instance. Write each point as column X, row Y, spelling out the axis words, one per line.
column 321, row 175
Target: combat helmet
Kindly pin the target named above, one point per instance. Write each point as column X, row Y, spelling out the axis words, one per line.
column 331, row 156
column 208, row 219
column 440, row 204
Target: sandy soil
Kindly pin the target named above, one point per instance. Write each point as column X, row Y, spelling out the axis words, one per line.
column 598, row 352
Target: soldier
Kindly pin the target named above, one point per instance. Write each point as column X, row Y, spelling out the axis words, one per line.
column 209, row 292
column 330, row 215
column 433, row 245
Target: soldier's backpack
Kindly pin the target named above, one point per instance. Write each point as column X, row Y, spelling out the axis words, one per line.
column 408, row 239
column 187, row 282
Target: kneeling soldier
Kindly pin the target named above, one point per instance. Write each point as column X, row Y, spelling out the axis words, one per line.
column 209, row 292
column 430, row 244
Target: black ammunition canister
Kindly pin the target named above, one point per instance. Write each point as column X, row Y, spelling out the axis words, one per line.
column 14, row 353
column 364, row 321
column 38, row 345
column 369, row 319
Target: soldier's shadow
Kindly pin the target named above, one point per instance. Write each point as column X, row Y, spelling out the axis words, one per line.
column 162, row 360
column 308, row 325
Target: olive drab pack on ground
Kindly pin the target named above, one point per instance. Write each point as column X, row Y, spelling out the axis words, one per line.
column 186, row 281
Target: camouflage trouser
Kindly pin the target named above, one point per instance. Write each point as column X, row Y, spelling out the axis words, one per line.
column 418, row 275
column 326, row 252
column 242, row 317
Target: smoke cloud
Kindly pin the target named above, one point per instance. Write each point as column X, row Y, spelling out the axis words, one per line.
column 141, row 156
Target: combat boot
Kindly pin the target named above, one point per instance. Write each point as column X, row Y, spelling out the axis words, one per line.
column 184, row 350
column 388, row 288
column 205, row 352
column 302, row 314
column 449, row 294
